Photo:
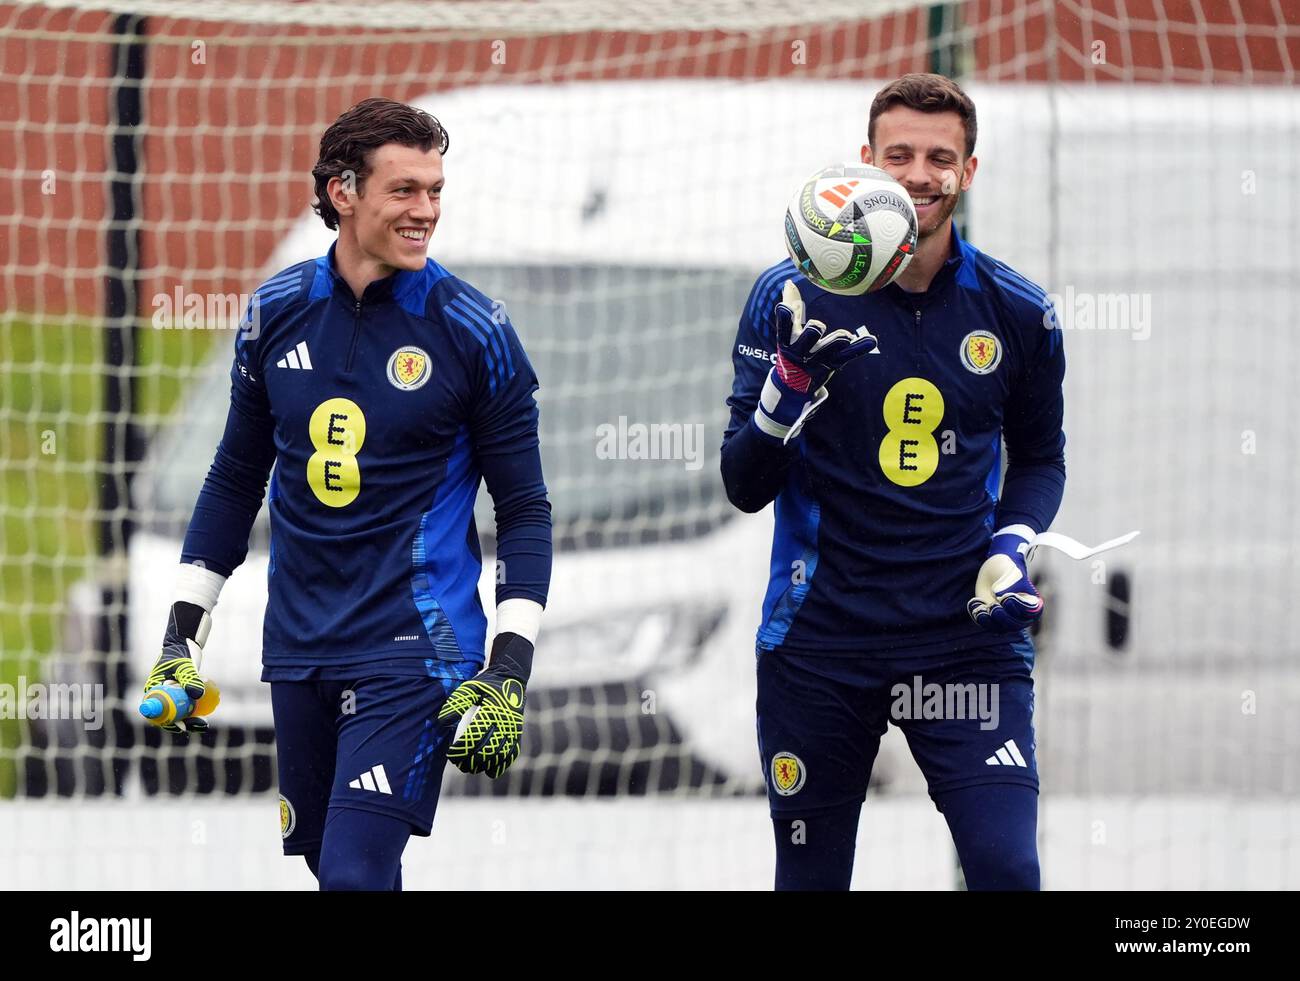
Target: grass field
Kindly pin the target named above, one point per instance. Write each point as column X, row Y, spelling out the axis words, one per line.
column 51, row 434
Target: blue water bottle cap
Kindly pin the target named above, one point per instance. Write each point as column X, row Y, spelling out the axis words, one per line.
column 151, row 708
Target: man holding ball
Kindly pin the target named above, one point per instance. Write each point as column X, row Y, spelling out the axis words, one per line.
column 875, row 423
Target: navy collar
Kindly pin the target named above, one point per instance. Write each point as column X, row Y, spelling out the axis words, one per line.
column 945, row 274
column 380, row 291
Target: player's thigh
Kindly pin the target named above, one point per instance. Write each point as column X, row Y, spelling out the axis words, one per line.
column 995, row 829
column 391, row 749
column 306, row 737
column 969, row 719
column 820, row 720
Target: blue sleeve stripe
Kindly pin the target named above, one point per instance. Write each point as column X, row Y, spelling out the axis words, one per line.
column 774, row 277
column 267, row 295
column 768, row 284
column 762, row 290
column 1038, row 297
column 469, row 325
column 1008, row 276
column 293, row 275
column 1002, row 269
column 1039, row 301
column 505, row 342
column 494, row 327
column 266, row 305
column 477, row 332
column 485, row 329
column 493, row 341
column 467, row 306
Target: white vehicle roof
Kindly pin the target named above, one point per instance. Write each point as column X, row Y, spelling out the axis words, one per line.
column 673, row 173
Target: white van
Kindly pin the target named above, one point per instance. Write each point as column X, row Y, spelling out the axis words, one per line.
column 622, row 225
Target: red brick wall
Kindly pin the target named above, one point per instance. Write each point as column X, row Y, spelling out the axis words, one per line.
column 231, row 141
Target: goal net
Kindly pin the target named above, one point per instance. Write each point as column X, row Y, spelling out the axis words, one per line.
column 615, row 179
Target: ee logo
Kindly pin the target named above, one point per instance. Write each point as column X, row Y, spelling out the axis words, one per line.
column 909, row 454
column 337, row 429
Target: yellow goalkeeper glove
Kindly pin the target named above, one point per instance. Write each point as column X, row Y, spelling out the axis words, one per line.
column 182, row 654
column 491, row 706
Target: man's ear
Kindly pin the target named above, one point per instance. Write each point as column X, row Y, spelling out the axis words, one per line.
column 342, row 193
column 968, row 173
column 866, row 154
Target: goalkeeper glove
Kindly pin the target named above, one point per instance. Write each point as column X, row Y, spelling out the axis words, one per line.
column 807, row 355
column 182, row 654
column 1004, row 598
column 492, row 703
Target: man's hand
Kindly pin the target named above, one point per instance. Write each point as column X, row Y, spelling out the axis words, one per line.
column 1004, row 598
column 492, row 703
column 181, row 657
column 807, row 355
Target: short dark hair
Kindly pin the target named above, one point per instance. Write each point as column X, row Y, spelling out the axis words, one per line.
column 925, row 93
column 368, row 125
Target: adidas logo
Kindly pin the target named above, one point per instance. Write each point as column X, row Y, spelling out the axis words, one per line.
column 373, row 779
column 1008, row 754
column 297, row 358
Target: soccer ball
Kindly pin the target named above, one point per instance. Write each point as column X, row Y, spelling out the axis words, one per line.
column 851, row 229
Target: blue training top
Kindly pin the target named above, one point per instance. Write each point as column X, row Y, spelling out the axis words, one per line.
column 381, row 414
column 885, row 502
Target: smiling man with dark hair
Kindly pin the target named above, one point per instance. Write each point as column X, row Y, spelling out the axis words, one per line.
column 383, row 389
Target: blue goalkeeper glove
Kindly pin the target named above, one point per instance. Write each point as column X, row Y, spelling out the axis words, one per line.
column 182, row 654
column 1004, row 597
column 492, row 703
column 807, row 355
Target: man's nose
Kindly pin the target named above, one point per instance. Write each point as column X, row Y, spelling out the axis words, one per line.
column 917, row 176
column 422, row 208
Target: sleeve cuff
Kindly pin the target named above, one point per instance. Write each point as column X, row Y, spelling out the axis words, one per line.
column 1016, row 540
column 782, row 411
column 519, row 616
column 198, row 585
